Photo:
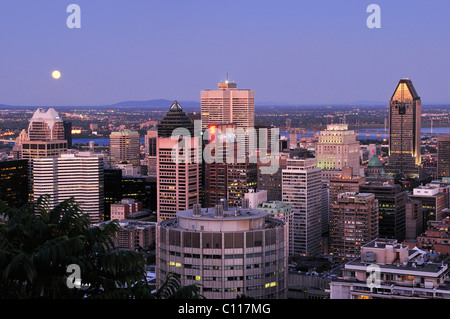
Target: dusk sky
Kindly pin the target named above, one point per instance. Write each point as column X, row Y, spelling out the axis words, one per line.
column 298, row 52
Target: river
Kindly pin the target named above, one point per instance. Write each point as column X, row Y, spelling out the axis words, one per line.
column 368, row 133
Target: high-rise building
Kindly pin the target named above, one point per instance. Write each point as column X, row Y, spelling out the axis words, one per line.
column 302, row 189
column 353, row 223
column 336, row 149
column 282, row 211
column 112, row 189
column 433, row 202
column 271, row 182
column 229, row 251
column 150, row 150
column 220, row 151
column 68, row 133
column 228, row 104
column 14, row 186
column 179, row 164
column 241, row 177
column 405, row 131
column 391, row 206
column 78, row 175
column 45, row 137
column 346, row 182
column 124, row 147
column 443, row 156
column 413, row 219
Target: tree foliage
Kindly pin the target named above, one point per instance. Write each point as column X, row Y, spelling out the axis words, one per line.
column 38, row 243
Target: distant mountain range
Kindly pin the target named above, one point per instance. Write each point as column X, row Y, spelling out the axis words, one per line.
column 189, row 105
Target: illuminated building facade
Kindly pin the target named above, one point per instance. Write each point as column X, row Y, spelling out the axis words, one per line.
column 45, row 137
column 78, row 175
column 336, row 149
column 405, row 111
column 227, row 104
column 179, row 166
column 302, row 190
column 14, row 182
column 124, row 147
column 353, row 223
column 443, row 154
column 391, row 206
column 229, row 251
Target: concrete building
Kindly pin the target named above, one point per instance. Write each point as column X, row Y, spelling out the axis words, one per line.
column 151, row 151
column 436, row 238
column 124, row 147
column 336, row 149
column 443, row 156
column 229, row 251
column 228, row 104
column 124, row 208
column 389, row 270
column 444, row 187
column 255, row 198
column 14, row 185
column 302, row 189
column 433, row 202
column 78, row 175
column 413, row 219
column 353, row 223
column 241, row 178
column 405, row 110
column 271, row 182
column 179, row 164
column 281, row 211
column 345, row 182
column 45, row 137
column 136, row 235
column 392, row 208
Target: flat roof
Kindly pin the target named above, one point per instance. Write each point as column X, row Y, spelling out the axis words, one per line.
column 233, row 213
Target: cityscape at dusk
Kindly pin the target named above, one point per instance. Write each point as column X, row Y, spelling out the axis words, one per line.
column 242, row 153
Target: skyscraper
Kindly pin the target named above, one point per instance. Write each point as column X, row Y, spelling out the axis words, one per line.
column 353, row 223
column 229, row 251
column 124, row 147
column 14, row 182
column 443, row 156
column 178, row 164
column 150, row 150
column 391, row 206
column 228, row 104
column 45, row 137
column 405, row 131
column 336, row 149
column 78, row 175
column 302, row 189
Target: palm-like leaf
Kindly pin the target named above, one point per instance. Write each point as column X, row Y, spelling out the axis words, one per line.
column 38, row 243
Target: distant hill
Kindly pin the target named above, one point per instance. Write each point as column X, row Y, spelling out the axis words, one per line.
column 163, row 103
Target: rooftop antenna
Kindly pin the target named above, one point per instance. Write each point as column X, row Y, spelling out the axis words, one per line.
column 227, row 78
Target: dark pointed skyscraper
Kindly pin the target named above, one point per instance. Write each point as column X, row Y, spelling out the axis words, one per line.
column 175, row 118
column 405, row 131
column 178, row 164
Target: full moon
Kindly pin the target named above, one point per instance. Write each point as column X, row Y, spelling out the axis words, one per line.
column 56, row 74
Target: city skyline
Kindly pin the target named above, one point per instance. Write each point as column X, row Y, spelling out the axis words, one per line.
column 156, row 50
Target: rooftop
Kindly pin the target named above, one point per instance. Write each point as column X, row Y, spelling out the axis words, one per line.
column 234, row 213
